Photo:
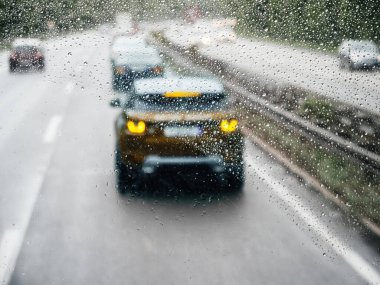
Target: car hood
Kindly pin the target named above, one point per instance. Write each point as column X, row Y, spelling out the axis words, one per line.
column 362, row 56
column 179, row 116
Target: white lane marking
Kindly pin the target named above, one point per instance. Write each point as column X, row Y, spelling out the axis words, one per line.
column 13, row 238
column 362, row 267
column 9, row 248
column 52, row 129
column 69, row 88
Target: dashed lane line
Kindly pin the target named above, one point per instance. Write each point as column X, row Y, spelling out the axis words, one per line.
column 9, row 248
column 52, row 129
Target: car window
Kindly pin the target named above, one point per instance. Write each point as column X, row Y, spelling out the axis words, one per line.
column 159, row 102
column 140, row 55
column 365, row 47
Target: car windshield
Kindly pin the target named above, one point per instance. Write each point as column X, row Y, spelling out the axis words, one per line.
column 159, row 102
column 190, row 142
column 365, row 48
column 140, row 56
column 25, row 49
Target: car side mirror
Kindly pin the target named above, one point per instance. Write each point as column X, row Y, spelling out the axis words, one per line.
column 115, row 103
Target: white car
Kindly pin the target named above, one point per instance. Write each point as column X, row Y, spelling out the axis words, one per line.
column 357, row 54
column 123, row 44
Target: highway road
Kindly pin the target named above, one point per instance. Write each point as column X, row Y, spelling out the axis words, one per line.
column 310, row 70
column 63, row 222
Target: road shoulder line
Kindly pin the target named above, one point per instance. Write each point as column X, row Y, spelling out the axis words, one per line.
column 351, row 257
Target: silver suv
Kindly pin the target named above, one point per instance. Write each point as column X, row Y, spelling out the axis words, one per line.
column 357, row 54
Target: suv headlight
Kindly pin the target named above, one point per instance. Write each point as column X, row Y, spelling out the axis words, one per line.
column 228, row 126
column 136, row 128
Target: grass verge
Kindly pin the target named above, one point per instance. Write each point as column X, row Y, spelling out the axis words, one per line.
column 358, row 188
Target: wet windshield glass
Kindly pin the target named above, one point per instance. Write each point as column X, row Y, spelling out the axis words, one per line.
column 190, row 142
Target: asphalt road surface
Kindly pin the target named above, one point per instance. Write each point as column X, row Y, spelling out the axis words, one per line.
column 310, row 70
column 63, row 222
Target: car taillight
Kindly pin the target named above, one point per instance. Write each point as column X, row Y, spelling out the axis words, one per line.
column 136, row 128
column 157, row 69
column 229, row 126
column 38, row 55
column 13, row 55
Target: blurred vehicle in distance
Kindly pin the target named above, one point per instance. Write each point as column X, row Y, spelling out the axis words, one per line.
column 226, row 35
column 206, row 32
column 179, row 125
column 26, row 53
column 358, row 54
column 143, row 62
column 125, row 43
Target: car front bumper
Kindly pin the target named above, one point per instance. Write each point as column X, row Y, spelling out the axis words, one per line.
column 154, row 164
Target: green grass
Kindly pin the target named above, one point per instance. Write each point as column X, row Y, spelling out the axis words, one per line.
column 319, row 111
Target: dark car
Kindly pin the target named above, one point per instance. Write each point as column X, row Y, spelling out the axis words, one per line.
column 26, row 53
column 140, row 63
column 182, row 126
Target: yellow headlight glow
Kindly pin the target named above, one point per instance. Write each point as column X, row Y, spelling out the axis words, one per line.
column 136, row 127
column 228, row 126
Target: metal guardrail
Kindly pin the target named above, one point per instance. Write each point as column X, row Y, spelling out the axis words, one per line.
column 352, row 151
column 366, row 157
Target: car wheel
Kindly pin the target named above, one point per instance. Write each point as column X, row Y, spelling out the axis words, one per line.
column 349, row 65
column 341, row 64
column 115, row 82
column 234, row 179
column 41, row 67
column 126, row 175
